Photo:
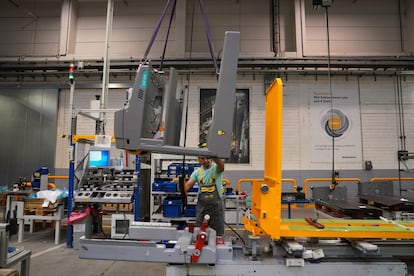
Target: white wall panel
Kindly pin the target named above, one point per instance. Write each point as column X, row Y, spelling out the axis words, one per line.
column 379, row 120
column 31, row 29
column 91, row 22
column 345, row 34
column 356, row 28
column 350, row 48
column 408, row 22
column 14, row 49
column 46, row 49
column 366, row 27
column 47, row 36
column 250, row 18
column 13, row 37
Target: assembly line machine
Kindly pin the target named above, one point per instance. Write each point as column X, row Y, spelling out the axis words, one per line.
column 275, row 246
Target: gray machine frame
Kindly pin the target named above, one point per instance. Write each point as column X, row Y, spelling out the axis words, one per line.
column 284, row 257
column 19, row 255
column 130, row 131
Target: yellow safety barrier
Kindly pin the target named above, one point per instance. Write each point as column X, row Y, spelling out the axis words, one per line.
column 77, row 137
column 261, row 180
column 58, row 177
column 391, row 179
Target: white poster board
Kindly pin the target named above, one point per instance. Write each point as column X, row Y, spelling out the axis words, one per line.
column 335, row 124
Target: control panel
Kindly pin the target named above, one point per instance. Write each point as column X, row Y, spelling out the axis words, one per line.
column 106, row 185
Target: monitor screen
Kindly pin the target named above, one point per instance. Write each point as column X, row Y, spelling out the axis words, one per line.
column 99, row 158
column 122, row 226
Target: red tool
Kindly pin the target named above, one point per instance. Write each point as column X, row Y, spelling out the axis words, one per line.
column 201, row 239
column 315, row 223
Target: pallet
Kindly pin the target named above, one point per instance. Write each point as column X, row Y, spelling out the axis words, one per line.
column 39, row 212
column 33, row 206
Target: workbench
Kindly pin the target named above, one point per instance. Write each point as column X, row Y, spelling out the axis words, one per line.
column 56, row 215
column 393, row 203
column 347, row 209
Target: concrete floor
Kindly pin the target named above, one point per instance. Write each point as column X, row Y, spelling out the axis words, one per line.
column 50, row 259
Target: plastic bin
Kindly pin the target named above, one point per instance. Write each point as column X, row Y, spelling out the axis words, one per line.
column 171, row 207
column 174, row 169
column 170, row 187
column 190, row 211
column 193, row 189
column 158, row 186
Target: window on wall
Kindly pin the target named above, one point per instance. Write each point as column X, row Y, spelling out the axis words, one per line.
column 240, row 145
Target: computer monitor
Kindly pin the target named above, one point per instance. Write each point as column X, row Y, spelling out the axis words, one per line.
column 120, row 225
column 99, row 158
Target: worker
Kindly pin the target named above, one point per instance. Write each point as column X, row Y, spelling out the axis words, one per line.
column 209, row 178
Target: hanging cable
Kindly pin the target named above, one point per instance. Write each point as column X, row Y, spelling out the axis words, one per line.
column 189, row 73
column 402, row 152
column 334, row 174
column 168, row 34
column 157, row 28
column 186, row 95
column 400, row 105
column 209, row 38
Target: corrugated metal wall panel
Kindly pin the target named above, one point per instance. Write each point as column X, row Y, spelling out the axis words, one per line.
column 29, row 132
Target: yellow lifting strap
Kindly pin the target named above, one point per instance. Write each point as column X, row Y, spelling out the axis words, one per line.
column 208, row 189
column 201, row 178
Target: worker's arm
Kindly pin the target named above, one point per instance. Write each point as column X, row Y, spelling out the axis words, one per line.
column 190, row 182
column 219, row 164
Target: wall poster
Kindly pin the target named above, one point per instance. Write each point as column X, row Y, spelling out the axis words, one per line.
column 335, row 124
column 240, row 152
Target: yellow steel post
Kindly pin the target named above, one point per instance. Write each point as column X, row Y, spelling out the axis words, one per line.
column 271, row 200
column 266, row 195
column 265, row 216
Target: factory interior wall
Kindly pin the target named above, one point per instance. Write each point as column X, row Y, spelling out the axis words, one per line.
column 366, row 28
column 357, row 28
column 378, row 115
column 408, row 32
column 28, row 124
column 362, row 28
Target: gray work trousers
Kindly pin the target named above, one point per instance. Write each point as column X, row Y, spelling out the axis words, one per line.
column 211, row 204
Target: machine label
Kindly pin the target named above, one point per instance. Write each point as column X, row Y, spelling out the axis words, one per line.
column 144, row 79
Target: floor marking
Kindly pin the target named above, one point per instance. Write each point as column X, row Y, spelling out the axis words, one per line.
column 47, row 250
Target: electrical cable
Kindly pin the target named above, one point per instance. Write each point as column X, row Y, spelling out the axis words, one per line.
column 187, row 92
column 189, row 73
column 333, row 181
column 168, row 34
column 400, row 104
column 235, row 232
